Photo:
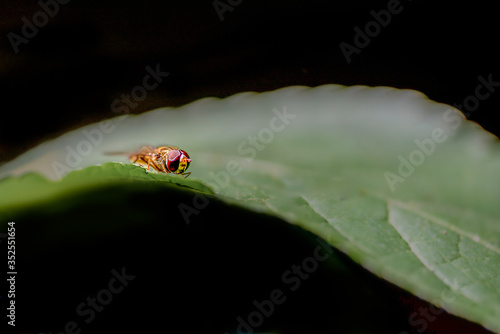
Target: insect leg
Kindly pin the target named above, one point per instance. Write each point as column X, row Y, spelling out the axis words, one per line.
column 144, row 161
column 154, row 164
column 165, row 170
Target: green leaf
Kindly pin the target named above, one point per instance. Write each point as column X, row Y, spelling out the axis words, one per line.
column 403, row 185
column 33, row 188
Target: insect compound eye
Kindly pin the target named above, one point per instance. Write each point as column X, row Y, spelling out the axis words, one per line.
column 173, row 160
column 185, row 160
column 186, row 156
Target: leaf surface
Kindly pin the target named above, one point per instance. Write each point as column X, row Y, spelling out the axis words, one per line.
column 403, row 185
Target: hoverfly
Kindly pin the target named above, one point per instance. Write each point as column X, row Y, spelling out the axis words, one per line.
column 164, row 159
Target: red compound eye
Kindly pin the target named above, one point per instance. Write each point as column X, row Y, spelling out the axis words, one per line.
column 173, row 160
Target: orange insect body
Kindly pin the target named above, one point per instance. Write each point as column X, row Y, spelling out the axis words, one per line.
column 164, row 159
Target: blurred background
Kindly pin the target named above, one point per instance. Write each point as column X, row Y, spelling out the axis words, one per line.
column 63, row 64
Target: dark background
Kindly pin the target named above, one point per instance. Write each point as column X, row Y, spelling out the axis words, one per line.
column 91, row 52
